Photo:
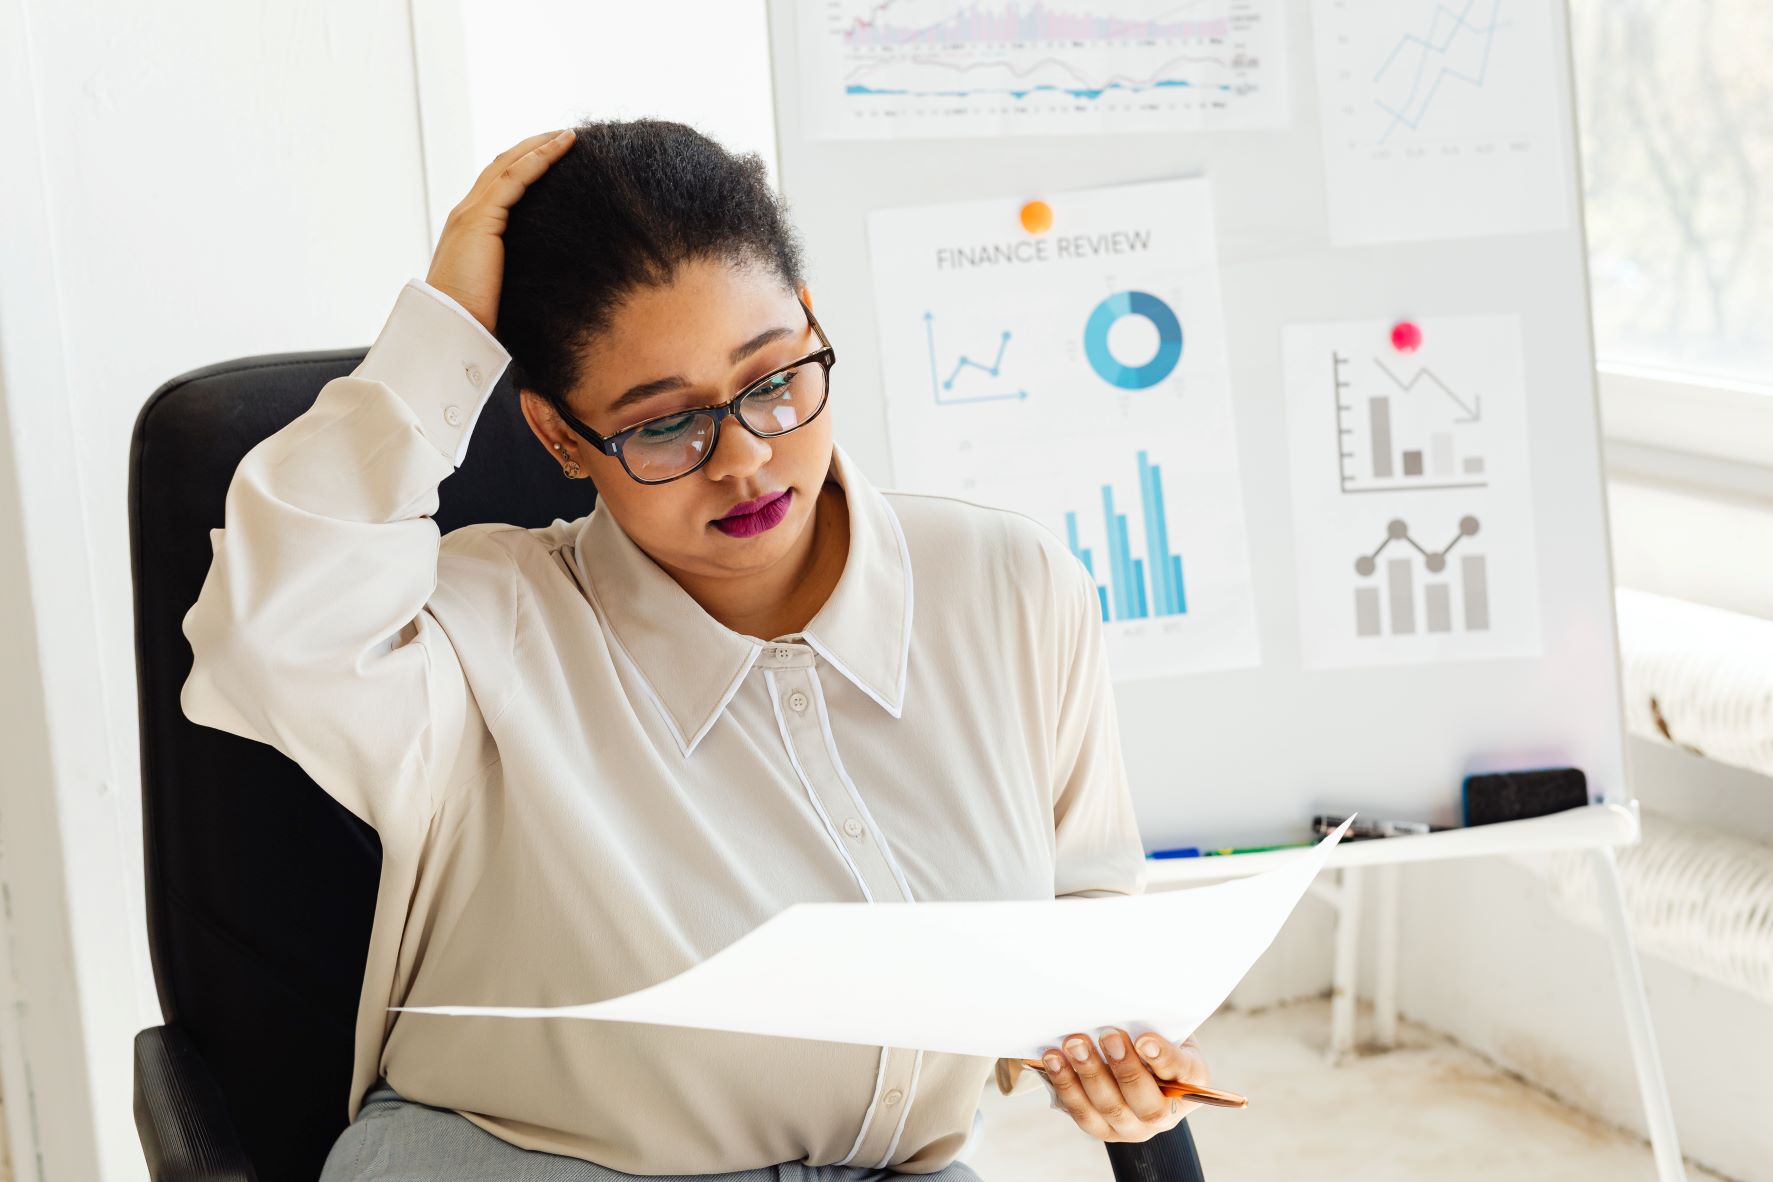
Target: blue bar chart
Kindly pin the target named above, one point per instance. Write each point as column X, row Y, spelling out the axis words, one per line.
column 1135, row 588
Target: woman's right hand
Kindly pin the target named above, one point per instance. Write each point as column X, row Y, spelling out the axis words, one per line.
column 469, row 263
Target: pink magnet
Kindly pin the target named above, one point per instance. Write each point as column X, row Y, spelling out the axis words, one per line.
column 1405, row 337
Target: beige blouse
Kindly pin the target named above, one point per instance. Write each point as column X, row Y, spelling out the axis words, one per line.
column 584, row 784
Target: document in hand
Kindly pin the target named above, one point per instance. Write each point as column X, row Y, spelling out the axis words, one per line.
column 1000, row 978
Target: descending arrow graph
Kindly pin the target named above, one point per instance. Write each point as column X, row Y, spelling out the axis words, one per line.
column 1472, row 413
column 1398, row 434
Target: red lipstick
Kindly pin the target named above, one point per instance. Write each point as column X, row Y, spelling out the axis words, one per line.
column 751, row 518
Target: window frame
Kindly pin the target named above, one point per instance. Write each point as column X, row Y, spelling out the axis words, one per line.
column 1669, row 426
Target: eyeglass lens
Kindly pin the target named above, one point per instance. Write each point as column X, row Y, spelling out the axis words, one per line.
column 671, row 446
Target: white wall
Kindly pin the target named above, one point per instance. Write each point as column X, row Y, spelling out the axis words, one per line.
column 185, row 183
column 531, row 65
column 1706, row 545
column 535, row 64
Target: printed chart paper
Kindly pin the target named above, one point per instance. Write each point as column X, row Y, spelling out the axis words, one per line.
column 1440, row 119
column 1079, row 376
column 911, row 68
column 1412, row 501
column 972, row 978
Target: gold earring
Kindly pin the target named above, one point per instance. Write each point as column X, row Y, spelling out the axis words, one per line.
column 572, row 466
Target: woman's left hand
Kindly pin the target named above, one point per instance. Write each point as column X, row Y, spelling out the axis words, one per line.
column 1117, row 1099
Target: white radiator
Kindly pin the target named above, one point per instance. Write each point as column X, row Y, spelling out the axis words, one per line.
column 1698, row 677
column 1696, row 896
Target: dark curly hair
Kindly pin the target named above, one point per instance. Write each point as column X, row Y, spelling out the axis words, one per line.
column 628, row 203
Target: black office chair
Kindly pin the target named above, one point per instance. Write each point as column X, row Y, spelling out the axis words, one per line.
column 260, row 887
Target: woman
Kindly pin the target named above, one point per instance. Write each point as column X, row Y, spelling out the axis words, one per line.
column 599, row 751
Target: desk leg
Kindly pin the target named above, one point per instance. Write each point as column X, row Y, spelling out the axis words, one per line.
column 1385, row 966
column 1343, row 982
column 1658, row 1112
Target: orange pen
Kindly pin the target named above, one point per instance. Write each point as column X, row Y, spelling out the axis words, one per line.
column 1182, row 1091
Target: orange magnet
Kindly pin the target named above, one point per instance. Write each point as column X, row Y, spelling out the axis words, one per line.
column 1037, row 217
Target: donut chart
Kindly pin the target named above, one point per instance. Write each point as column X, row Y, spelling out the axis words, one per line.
column 1169, row 336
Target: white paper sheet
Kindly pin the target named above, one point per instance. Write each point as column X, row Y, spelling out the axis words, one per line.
column 1441, row 120
column 1002, row 978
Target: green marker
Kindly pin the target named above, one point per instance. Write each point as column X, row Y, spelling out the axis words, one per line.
column 1262, row 849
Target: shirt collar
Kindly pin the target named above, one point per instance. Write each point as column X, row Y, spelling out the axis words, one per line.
column 691, row 664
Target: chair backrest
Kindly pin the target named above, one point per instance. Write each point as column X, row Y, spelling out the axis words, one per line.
column 260, row 888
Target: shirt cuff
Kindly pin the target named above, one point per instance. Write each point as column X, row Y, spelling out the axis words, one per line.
column 441, row 361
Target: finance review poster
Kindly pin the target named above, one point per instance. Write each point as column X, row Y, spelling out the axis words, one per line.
column 1066, row 359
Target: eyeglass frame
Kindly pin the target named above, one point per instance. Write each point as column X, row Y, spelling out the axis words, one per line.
column 611, row 445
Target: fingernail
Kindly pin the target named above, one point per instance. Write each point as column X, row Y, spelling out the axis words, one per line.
column 1054, row 1062
column 1079, row 1050
column 1149, row 1048
column 1115, row 1046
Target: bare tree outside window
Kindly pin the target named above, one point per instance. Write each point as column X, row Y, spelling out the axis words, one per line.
column 1676, row 118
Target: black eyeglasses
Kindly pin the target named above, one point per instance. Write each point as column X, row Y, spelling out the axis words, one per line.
column 667, row 447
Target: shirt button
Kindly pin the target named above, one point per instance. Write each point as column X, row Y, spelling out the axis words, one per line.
column 853, row 827
column 474, row 374
column 781, row 654
column 798, row 701
column 452, row 415
column 894, row 1096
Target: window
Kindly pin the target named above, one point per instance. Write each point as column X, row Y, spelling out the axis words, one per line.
column 1675, row 100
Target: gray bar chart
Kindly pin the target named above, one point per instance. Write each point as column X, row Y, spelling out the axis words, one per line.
column 1403, row 434
column 1440, row 607
column 1400, row 578
column 1379, row 426
column 1394, row 609
column 1476, row 592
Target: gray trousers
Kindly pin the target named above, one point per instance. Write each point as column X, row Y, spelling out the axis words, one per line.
column 395, row 1139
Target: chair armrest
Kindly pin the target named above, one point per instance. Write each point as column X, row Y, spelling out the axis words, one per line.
column 180, row 1116
column 1167, row 1157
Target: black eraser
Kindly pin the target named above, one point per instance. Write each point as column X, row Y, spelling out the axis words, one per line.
column 1515, row 796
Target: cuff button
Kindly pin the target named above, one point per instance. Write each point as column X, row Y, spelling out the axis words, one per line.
column 452, row 415
column 474, row 375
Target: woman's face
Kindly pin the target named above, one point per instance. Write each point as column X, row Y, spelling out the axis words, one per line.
column 710, row 333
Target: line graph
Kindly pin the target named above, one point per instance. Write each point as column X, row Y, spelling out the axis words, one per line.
column 1412, row 108
column 1392, row 609
column 1440, row 118
column 1165, row 77
column 950, row 67
column 939, row 385
column 1039, row 22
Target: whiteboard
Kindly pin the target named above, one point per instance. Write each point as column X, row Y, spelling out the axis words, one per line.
column 1247, row 756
